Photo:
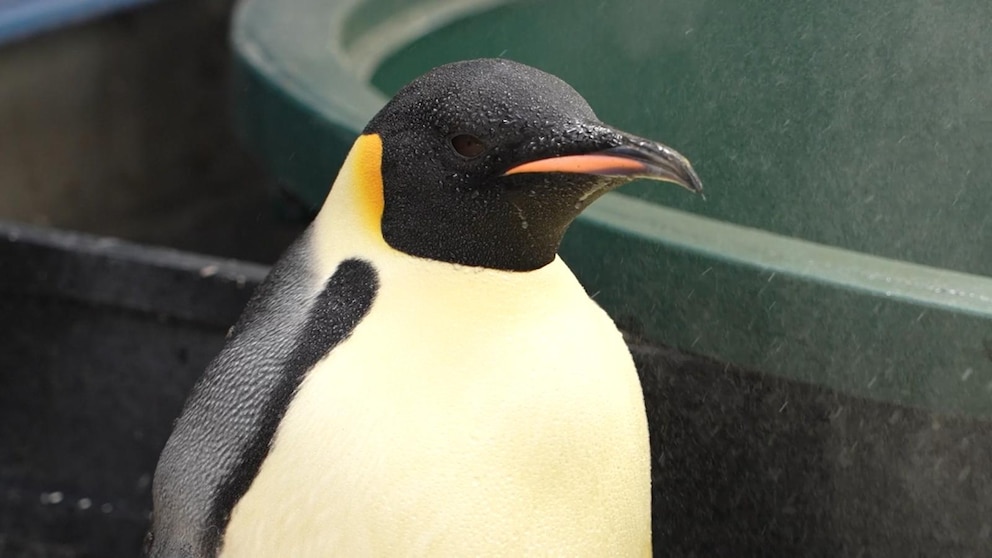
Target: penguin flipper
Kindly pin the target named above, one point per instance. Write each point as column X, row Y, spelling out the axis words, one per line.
column 226, row 428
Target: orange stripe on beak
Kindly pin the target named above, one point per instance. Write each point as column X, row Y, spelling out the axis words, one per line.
column 592, row 163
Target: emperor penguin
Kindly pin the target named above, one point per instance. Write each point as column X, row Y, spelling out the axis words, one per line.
column 421, row 374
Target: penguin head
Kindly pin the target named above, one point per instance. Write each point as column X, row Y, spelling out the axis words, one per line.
column 487, row 162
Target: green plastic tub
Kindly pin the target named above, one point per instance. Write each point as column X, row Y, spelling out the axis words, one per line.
column 846, row 148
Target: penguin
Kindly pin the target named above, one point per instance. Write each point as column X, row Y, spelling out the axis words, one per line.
column 421, row 374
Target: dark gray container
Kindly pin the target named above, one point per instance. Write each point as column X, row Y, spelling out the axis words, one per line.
column 100, row 341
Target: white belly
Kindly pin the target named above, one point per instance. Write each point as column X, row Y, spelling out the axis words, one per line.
column 493, row 421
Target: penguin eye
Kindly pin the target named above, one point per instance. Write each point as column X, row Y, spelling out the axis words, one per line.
column 468, row 146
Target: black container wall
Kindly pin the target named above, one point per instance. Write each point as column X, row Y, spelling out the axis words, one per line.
column 746, row 464
column 100, row 340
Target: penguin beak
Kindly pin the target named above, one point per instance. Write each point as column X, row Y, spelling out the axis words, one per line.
column 634, row 157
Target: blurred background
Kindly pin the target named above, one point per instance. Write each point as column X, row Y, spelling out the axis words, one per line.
column 814, row 338
column 120, row 124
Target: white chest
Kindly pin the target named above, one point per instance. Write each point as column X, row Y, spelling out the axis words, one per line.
column 497, row 420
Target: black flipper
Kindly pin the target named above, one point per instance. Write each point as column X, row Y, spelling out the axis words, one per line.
column 231, row 417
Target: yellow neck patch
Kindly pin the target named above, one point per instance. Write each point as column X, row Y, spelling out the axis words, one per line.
column 366, row 186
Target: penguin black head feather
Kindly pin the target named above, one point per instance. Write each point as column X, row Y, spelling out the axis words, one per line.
column 486, row 163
